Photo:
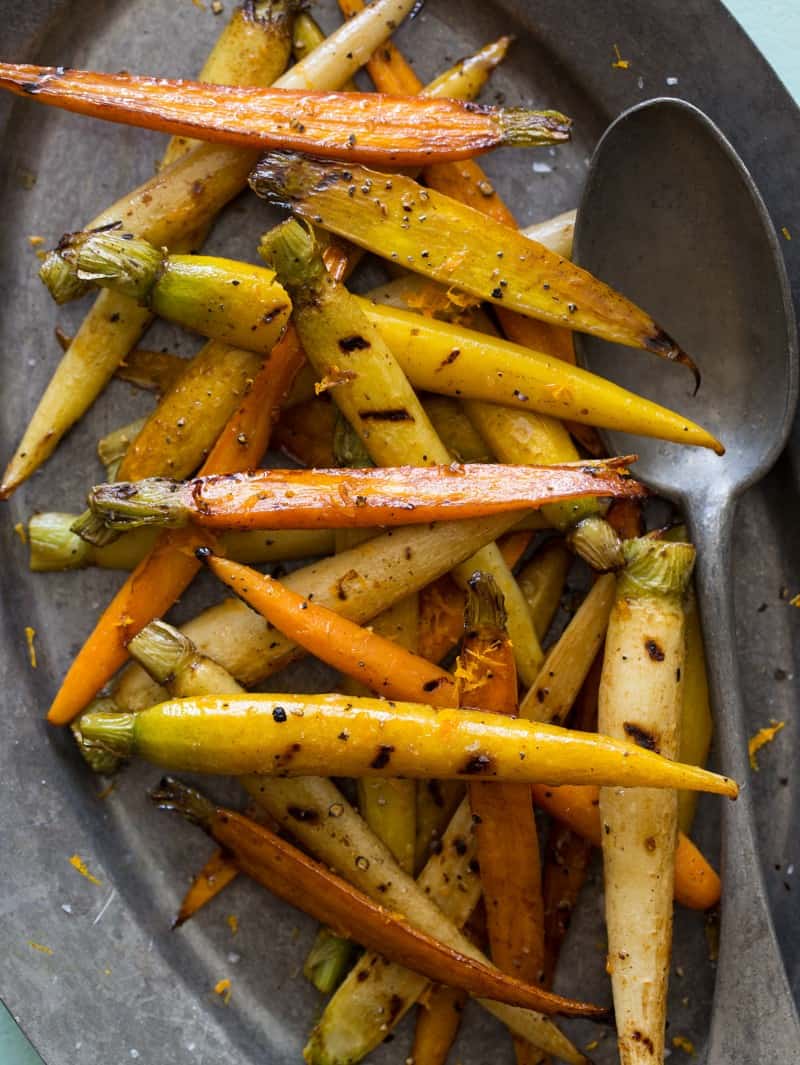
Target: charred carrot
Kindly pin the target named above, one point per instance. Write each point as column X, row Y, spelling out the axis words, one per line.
column 696, row 722
column 440, row 357
column 508, row 841
column 359, row 498
column 190, row 416
column 367, row 127
column 289, row 874
column 567, row 855
column 233, row 302
column 380, row 664
column 291, row 735
column 442, row 239
column 162, row 575
column 640, row 697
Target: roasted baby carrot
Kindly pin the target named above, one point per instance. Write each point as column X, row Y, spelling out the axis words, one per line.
column 382, row 665
column 640, row 697
column 567, row 854
column 163, row 574
column 369, row 127
column 436, row 236
column 697, row 884
column 303, row 882
column 505, row 826
column 358, row 498
column 302, row 735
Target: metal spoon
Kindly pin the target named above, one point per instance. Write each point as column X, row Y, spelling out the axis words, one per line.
column 671, row 217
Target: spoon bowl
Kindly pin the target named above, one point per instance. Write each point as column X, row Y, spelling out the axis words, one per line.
column 671, row 217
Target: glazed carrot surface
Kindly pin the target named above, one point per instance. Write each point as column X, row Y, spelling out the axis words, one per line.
column 298, row 499
column 288, row 873
column 367, row 127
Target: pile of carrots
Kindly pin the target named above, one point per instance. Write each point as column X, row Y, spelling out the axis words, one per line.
column 450, row 471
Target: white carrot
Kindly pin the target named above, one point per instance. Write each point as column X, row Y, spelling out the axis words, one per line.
column 640, row 700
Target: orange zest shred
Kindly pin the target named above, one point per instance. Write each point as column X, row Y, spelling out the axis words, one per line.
column 223, row 989
column 78, row 863
column 684, row 1044
column 233, row 923
column 30, row 636
column 40, row 947
column 620, row 63
column 761, row 739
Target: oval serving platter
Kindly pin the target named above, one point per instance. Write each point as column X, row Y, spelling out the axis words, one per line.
column 92, row 971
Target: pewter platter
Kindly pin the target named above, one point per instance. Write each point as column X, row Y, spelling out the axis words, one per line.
column 118, row 986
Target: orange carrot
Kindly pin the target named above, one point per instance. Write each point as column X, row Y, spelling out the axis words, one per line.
column 355, row 498
column 441, row 617
column 162, row 576
column 382, row 665
column 438, row 1020
column 697, row 885
column 514, row 545
column 358, row 127
column 505, row 826
column 567, row 854
column 625, row 516
column 305, row 433
column 441, row 603
column 300, row 880
column 216, row 874
column 387, row 67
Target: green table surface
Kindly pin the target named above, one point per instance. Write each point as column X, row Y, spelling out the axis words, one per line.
column 774, row 25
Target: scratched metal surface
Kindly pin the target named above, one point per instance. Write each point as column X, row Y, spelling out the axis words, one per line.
column 117, row 985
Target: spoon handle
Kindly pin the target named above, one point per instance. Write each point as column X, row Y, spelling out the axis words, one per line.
column 754, row 1017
